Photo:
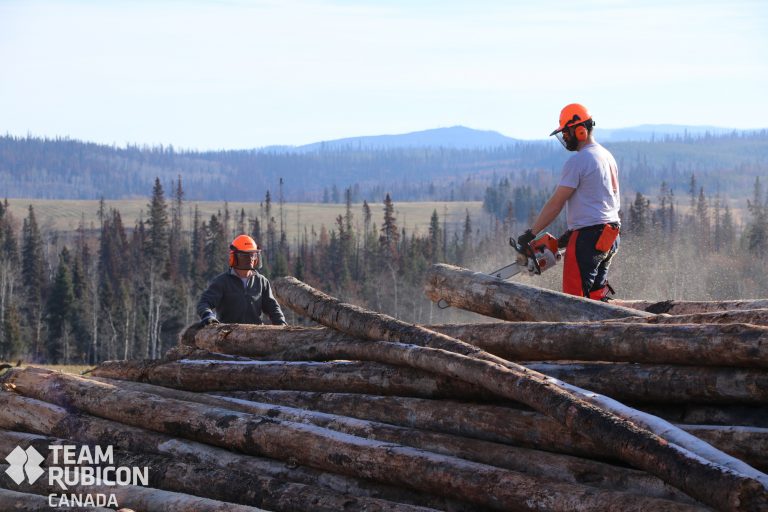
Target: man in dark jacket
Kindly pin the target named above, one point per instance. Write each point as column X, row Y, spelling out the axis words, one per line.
column 240, row 295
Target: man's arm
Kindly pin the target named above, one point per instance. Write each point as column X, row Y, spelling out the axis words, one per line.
column 210, row 298
column 552, row 208
column 270, row 306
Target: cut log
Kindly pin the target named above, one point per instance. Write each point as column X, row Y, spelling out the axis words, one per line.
column 747, row 443
column 712, row 483
column 27, row 414
column 534, row 462
column 689, row 344
column 135, row 497
column 485, row 485
column 493, row 423
column 702, row 345
column 744, row 316
column 14, row 501
column 228, row 485
column 353, row 376
column 688, row 307
column 487, row 295
column 696, row 414
column 639, row 383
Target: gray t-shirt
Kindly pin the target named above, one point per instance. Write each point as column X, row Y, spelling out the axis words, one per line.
column 594, row 174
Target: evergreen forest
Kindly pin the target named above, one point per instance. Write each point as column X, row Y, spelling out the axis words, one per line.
column 113, row 291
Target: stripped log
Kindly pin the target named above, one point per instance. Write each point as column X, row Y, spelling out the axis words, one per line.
column 534, row 462
column 713, row 345
column 705, row 345
column 487, row 295
column 717, row 484
column 658, row 383
column 747, row 443
column 354, row 376
column 230, row 485
column 30, row 415
column 492, row 422
column 146, row 499
column 698, row 414
column 14, row 501
column 477, row 483
column 688, row 307
column 744, row 316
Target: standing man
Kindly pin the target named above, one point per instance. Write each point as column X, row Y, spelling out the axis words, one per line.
column 240, row 295
column 589, row 189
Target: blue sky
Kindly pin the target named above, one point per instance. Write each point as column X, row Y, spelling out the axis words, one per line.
column 243, row 74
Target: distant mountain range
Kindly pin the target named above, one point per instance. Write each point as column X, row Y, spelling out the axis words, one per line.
column 443, row 164
column 461, row 137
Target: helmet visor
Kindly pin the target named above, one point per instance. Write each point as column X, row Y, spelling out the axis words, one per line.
column 250, row 260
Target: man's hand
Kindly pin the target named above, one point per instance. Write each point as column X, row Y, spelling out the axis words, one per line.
column 525, row 240
column 209, row 319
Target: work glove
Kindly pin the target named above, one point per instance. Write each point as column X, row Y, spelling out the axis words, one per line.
column 209, row 319
column 525, row 240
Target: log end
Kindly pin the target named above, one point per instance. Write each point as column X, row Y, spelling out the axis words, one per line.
column 187, row 336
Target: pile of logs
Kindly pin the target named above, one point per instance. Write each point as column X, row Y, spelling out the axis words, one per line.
column 566, row 405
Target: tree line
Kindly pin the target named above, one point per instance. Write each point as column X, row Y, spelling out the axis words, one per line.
column 33, row 167
column 113, row 291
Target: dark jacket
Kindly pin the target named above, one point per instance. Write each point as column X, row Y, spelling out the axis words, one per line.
column 235, row 304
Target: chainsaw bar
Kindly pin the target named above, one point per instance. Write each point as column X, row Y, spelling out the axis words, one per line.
column 506, row 272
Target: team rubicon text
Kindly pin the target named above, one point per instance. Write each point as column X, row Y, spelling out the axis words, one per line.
column 84, row 475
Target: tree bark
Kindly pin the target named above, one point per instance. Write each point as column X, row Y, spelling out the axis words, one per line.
column 477, row 483
column 507, row 300
column 534, row 462
column 697, row 414
column 747, row 443
column 647, row 383
column 14, row 501
column 353, row 376
column 28, row 414
column 704, row 345
column 688, row 307
column 495, row 423
column 744, row 316
column 705, row 480
column 230, row 485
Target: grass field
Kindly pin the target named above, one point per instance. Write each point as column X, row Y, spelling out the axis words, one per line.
column 65, row 215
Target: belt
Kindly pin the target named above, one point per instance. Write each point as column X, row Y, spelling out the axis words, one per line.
column 599, row 226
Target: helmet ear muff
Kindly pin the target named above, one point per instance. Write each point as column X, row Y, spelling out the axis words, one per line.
column 232, row 259
column 581, row 133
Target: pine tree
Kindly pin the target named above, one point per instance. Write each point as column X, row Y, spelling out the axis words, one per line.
column 466, row 241
column 757, row 232
column 60, row 312
column 175, row 243
column 157, row 234
column 197, row 269
column 390, row 235
column 434, row 237
column 35, row 280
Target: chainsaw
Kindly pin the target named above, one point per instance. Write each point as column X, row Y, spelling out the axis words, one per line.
column 540, row 255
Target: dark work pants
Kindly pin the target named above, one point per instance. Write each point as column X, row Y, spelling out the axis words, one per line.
column 585, row 270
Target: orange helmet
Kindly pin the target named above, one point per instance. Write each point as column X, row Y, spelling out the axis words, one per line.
column 243, row 244
column 572, row 114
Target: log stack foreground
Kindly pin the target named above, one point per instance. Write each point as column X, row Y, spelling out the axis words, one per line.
column 368, row 413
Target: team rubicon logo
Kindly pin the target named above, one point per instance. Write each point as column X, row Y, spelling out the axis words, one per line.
column 24, row 462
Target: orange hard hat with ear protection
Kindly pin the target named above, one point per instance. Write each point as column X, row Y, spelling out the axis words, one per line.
column 576, row 117
column 243, row 244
